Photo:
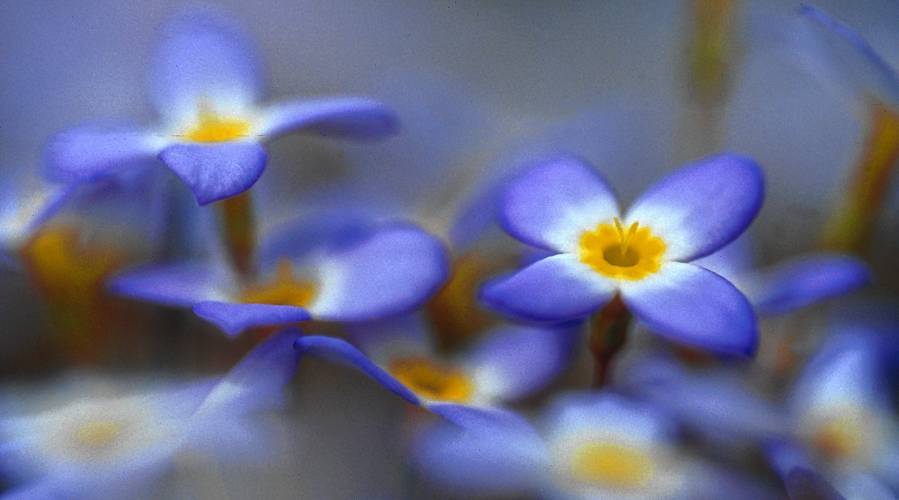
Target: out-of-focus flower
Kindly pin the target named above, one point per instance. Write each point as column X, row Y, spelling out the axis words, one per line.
column 843, row 423
column 844, row 58
column 206, row 80
column 112, row 445
column 509, row 363
column 25, row 204
column 68, row 238
column 591, row 446
column 838, row 423
column 359, row 273
column 789, row 285
column 565, row 207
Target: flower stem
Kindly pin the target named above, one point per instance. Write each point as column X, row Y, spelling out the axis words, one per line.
column 237, row 226
column 608, row 334
column 852, row 221
column 710, row 61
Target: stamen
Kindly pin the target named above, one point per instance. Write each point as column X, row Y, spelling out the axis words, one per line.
column 624, row 236
column 284, row 289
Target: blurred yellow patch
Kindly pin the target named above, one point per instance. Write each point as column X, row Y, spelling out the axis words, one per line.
column 98, row 434
column 430, row 379
column 612, row 465
column 839, row 436
column 63, row 264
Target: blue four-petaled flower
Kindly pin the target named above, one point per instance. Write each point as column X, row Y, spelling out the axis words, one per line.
column 563, row 206
column 510, row 362
column 206, row 81
column 363, row 273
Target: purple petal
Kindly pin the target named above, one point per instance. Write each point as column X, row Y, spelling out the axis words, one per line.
column 186, row 399
column 688, row 304
column 482, row 419
column 88, row 151
column 716, row 404
column 701, row 207
column 340, row 351
column 551, row 204
column 257, row 381
column 513, row 362
column 235, row 318
column 802, row 483
column 180, row 285
column 851, row 58
column 216, row 171
column 849, row 370
column 392, row 270
column 204, row 57
column 556, row 288
column 44, row 489
column 794, row 467
column 297, row 238
column 341, row 117
column 806, row 280
column 731, row 261
column 398, row 337
column 498, row 462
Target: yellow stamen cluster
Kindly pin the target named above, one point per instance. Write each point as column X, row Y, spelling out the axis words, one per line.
column 432, row 380
column 612, row 465
column 212, row 127
column 284, row 289
column 614, row 251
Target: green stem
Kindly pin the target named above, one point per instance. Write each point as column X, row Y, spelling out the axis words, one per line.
column 608, row 334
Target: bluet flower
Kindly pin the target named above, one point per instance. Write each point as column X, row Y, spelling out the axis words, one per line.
column 837, row 426
column 590, row 446
column 206, row 81
column 507, row 364
column 115, row 444
column 357, row 273
column 561, row 205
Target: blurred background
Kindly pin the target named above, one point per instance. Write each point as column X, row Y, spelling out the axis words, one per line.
column 476, row 83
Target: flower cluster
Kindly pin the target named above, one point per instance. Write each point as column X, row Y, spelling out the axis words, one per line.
column 543, row 339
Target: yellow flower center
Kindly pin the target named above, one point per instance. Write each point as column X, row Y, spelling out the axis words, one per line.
column 612, row 465
column 212, row 127
column 839, row 436
column 432, row 380
column 614, row 251
column 98, row 435
column 284, row 289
